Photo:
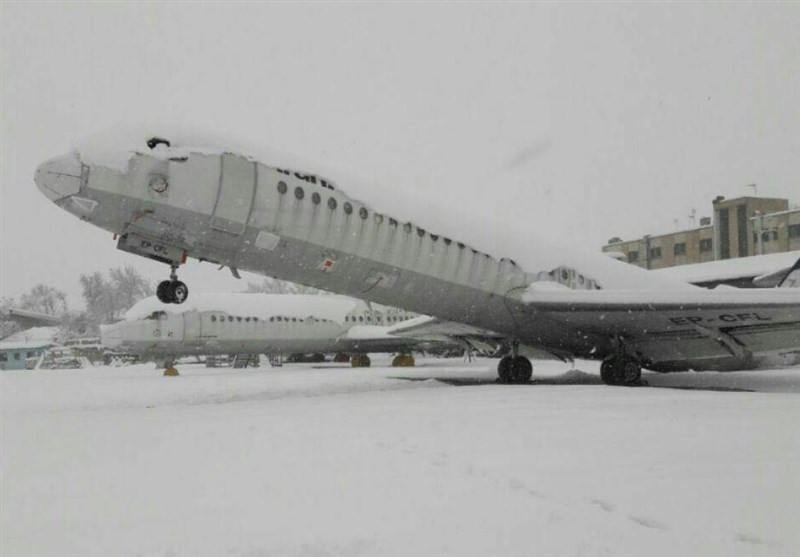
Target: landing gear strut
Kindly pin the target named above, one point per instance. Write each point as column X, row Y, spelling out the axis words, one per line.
column 172, row 291
column 620, row 370
column 514, row 369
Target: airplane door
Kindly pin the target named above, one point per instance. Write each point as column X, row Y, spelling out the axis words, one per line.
column 191, row 326
column 235, row 198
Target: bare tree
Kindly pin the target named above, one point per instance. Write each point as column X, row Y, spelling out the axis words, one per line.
column 45, row 299
column 98, row 298
column 107, row 299
column 128, row 286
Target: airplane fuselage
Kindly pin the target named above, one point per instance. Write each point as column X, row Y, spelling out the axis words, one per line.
column 231, row 210
column 258, row 324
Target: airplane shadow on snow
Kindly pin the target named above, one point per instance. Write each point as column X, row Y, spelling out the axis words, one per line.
column 574, row 378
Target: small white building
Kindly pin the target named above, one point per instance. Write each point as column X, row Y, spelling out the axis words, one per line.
column 30, row 343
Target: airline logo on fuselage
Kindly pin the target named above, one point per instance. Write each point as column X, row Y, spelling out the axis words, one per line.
column 310, row 178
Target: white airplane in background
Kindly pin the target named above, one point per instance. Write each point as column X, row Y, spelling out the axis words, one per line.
column 177, row 196
column 211, row 324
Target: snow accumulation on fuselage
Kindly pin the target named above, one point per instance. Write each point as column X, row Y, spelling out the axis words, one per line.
column 169, row 195
column 490, row 235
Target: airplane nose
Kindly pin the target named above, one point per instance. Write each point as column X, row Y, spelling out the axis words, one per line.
column 59, row 177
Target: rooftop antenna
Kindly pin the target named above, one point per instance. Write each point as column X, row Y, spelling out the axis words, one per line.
column 755, row 189
column 692, row 217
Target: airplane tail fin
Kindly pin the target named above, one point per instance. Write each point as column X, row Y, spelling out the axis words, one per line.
column 792, row 278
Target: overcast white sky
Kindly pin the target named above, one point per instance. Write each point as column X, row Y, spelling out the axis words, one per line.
column 589, row 120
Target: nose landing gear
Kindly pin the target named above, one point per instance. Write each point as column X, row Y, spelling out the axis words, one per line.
column 172, row 291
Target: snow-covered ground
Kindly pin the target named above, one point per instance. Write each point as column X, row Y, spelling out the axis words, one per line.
column 322, row 459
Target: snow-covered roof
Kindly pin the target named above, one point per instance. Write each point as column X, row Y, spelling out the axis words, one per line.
column 485, row 230
column 262, row 306
column 729, row 269
column 36, row 337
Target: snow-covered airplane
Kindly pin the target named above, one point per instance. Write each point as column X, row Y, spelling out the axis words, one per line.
column 169, row 197
column 756, row 271
column 210, row 324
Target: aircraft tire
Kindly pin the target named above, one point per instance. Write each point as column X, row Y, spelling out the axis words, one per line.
column 620, row 371
column 360, row 360
column 521, row 370
column 179, row 291
column 631, row 372
column 403, row 360
column 164, row 292
column 504, row 369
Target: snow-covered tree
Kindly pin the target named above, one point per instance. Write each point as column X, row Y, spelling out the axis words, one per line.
column 107, row 299
column 45, row 299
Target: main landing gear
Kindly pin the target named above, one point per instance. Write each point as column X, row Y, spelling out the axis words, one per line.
column 172, row 291
column 360, row 360
column 620, row 369
column 514, row 369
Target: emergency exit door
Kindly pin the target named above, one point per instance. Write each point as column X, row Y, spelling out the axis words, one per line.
column 235, row 198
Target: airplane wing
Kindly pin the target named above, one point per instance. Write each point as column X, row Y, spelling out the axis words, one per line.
column 484, row 341
column 784, row 278
column 763, row 271
column 27, row 319
column 671, row 330
column 368, row 338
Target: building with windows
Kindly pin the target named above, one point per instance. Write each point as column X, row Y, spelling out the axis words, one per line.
column 741, row 227
column 20, row 348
